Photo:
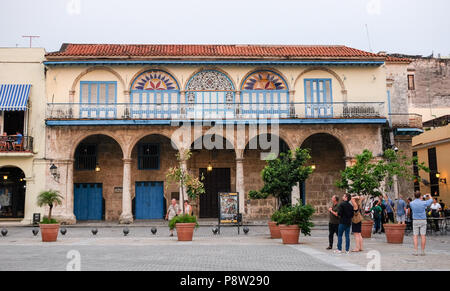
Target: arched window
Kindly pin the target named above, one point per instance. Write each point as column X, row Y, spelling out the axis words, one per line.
column 155, row 94
column 264, row 94
column 210, row 94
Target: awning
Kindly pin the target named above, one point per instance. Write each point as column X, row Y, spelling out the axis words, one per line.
column 14, row 97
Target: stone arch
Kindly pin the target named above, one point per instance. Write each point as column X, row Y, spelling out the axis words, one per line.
column 233, row 82
column 15, row 166
column 228, row 145
column 140, row 72
column 79, row 139
column 340, row 138
column 95, row 68
column 333, row 73
column 132, row 144
column 284, row 137
column 268, row 69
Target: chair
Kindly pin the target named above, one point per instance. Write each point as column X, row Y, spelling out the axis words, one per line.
column 3, row 144
column 18, row 146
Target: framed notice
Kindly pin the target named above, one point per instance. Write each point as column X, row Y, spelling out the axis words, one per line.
column 229, row 209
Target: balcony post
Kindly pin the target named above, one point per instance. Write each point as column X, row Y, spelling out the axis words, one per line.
column 127, row 216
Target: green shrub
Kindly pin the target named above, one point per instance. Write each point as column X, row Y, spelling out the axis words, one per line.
column 300, row 215
column 185, row 218
column 45, row 220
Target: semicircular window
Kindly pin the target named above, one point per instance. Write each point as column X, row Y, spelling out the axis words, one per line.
column 155, row 94
column 210, row 94
column 264, row 94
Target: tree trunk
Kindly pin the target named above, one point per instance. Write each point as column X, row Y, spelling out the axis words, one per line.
column 50, row 213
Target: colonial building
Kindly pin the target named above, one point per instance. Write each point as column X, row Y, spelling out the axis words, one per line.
column 117, row 115
column 22, row 132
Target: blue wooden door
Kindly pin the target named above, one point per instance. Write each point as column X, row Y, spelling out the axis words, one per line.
column 88, row 201
column 149, row 200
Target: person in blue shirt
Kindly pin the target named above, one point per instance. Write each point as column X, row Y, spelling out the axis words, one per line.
column 389, row 209
column 419, row 216
column 401, row 211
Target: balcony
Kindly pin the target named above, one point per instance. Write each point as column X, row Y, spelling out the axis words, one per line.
column 216, row 111
column 406, row 123
column 15, row 145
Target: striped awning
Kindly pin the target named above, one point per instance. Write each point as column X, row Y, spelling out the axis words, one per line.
column 14, row 97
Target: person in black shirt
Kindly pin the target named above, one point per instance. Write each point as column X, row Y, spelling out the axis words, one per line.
column 345, row 211
column 333, row 226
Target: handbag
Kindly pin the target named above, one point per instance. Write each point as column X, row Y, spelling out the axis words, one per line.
column 357, row 217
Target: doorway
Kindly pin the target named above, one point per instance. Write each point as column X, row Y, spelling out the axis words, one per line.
column 217, row 180
column 13, row 122
column 149, row 200
column 88, row 201
column 12, row 193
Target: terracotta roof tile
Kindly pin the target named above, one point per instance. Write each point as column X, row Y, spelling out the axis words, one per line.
column 391, row 59
column 203, row 51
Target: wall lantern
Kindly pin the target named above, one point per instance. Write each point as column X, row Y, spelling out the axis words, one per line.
column 313, row 167
column 438, row 175
column 54, row 172
column 5, row 177
column 209, row 168
column 97, row 168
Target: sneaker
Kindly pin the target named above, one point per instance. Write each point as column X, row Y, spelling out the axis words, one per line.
column 415, row 254
column 329, row 248
column 338, row 252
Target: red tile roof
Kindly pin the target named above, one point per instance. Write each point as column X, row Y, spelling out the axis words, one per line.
column 391, row 59
column 212, row 51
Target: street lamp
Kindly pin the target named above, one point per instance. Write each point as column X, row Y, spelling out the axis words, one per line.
column 54, row 172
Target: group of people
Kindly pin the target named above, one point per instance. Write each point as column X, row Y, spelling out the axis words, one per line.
column 343, row 217
column 174, row 210
column 348, row 215
column 8, row 145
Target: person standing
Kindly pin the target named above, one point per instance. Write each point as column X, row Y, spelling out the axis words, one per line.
column 357, row 222
column 333, row 225
column 377, row 215
column 173, row 211
column 389, row 209
column 187, row 207
column 401, row 211
column 345, row 212
column 419, row 216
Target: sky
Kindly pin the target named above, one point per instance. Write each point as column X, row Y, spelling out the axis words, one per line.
column 417, row 27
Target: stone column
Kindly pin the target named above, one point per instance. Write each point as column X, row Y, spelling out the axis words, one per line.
column 240, row 185
column 295, row 194
column 70, row 216
column 127, row 216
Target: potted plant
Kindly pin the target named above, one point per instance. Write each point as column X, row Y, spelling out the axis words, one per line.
column 394, row 232
column 274, row 228
column 49, row 227
column 371, row 178
column 185, row 225
column 193, row 187
column 293, row 220
column 280, row 175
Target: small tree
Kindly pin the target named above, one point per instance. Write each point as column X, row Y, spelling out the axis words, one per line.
column 49, row 198
column 193, row 186
column 283, row 173
column 370, row 178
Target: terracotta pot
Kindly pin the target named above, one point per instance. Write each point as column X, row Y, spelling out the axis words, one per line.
column 185, row 231
column 49, row 232
column 274, row 230
column 394, row 233
column 289, row 234
column 366, row 228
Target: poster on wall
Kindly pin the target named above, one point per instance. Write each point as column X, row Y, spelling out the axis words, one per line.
column 229, row 209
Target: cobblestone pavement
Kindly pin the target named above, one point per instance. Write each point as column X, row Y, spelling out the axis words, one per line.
column 141, row 250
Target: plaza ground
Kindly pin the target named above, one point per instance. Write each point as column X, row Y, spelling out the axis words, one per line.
column 141, row 250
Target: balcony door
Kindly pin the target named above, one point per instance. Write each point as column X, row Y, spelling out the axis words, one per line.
column 98, row 100
column 318, row 98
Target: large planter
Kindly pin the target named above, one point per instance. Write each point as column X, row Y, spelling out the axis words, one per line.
column 49, row 232
column 366, row 228
column 394, row 233
column 185, row 231
column 274, row 230
column 289, row 234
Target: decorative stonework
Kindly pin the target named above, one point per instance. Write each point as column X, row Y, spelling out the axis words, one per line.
column 154, row 80
column 210, row 80
column 264, row 80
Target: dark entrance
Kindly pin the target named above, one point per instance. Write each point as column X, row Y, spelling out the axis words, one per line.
column 218, row 180
column 12, row 193
column 13, row 122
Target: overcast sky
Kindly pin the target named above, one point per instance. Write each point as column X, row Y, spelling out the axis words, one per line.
column 395, row 26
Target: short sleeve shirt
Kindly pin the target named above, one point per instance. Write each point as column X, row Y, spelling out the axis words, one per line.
column 173, row 211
